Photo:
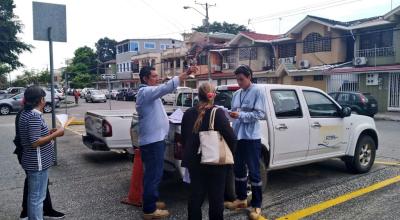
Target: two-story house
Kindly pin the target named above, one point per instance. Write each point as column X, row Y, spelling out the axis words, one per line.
column 376, row 66
column 128, row 48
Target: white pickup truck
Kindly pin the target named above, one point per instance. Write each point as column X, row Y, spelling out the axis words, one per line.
column 302, row 125
column 110, row 129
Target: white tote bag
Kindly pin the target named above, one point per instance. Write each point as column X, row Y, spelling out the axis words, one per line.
column 213, row 148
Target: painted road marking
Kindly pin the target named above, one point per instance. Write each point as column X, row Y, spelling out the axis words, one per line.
column 341, row 199
column 388, row 163
column 73, row 131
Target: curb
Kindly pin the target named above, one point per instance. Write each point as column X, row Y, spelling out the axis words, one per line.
column 77, row 122
column 386, row 118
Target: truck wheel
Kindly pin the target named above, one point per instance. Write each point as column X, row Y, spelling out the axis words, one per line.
column 5, row 110
column 364, row 155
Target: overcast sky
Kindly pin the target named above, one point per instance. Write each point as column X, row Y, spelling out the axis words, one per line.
column 89, row 20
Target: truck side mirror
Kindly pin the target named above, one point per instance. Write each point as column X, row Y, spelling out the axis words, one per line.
column 345, row 112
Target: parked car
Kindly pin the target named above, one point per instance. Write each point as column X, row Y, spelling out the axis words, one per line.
column 57, row 93
column 171, row 97
column 15, row 90
column 14, row 104
column 95, row 96
column 3, row 91
column 225, row 94
column 113, row 94
column 122, row 94
column 106, row 93
column 84, row 91
column 6, row 96
column 360, row 103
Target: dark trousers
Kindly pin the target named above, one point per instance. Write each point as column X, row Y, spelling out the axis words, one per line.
column 47, row 206
column 230, row 195
column 207, row 179
column 247, row 158
column 153, row 165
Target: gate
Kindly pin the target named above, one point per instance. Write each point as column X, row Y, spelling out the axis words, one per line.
column 394, row 92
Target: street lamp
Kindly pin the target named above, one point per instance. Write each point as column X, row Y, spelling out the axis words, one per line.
column 207, row 30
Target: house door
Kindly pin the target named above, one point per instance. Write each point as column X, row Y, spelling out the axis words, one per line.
column 394, row 92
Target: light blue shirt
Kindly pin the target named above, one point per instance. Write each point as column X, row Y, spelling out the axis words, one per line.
column 153, row 120
column 250, row 104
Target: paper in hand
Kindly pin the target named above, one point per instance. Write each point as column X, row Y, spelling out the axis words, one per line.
column 226, row 111
column 63, row 120
column 176, row 117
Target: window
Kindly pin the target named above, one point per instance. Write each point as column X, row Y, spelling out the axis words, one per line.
column 287, row 50
column 178, row 63
column 318, row 78
column 320, row 106
column 186, row 99
column 286, row 104
column 149, row 45
column 343, row 97
column 123, row 48
column 248, row 53
column 378, row 39
column 133, row 46
column 314, row 42
column 202, row 60
column 297, row 78
column 164, row 46
column 128, row 67
column 124, row 69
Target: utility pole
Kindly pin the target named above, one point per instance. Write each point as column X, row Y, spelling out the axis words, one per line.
column 207, row 23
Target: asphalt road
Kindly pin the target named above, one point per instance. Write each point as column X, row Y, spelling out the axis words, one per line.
column 89, row 185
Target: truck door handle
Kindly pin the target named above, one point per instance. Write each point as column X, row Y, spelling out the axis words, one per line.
column 281, row 127
column 316, row 125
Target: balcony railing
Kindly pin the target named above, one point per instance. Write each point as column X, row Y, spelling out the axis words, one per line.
column 376, row 52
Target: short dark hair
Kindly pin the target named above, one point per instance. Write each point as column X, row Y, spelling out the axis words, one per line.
column 245, row 70
column 145, row 72
column 32, row 96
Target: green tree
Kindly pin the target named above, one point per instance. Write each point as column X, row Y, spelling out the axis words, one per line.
column 223, row 27
column 86, row 55
column 106, row 49
column 10, row 45
column 82, row 80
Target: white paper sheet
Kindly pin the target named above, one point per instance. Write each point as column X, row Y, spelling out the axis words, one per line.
column 176, row 116
column 62, row 118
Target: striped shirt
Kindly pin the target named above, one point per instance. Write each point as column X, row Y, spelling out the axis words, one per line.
column 31, row 128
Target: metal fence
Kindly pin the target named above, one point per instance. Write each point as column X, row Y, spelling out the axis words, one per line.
column 394, row 92
column 343, row 82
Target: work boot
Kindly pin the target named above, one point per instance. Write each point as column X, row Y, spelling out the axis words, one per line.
column 255, row 213
column 237, row 204
column 158, row 214
column 161, row 205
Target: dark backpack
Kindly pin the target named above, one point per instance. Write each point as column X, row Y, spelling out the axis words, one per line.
column 17, row 140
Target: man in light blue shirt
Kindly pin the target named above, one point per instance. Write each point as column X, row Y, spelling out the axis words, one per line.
column 248, row 107
column 153, row 128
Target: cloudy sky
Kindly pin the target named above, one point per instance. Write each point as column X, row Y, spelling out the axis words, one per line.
column 89, row 20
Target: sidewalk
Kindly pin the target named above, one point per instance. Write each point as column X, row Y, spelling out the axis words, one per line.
column 388, row 116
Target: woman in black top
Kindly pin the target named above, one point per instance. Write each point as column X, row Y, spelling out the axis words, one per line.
column 205, row 179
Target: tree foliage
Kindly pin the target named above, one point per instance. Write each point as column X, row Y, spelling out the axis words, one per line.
column 223, row 27
column 10, row 45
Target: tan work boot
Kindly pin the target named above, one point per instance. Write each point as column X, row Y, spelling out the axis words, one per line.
column 237, row 204
column 255, row 213
column 158, row 214
column 161, row 205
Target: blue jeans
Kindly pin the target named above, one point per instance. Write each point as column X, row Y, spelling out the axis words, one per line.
column 37, row 186
column 247, row 158
column 153, row 165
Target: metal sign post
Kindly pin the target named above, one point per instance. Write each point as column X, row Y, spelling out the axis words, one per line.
column 49, row 24
column 108, row 77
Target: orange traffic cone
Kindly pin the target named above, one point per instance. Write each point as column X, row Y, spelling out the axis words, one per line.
column 136, row 187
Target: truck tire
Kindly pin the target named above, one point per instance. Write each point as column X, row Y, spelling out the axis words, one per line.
column 364, row 155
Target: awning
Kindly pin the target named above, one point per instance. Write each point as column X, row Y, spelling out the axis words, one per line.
column 366, row 69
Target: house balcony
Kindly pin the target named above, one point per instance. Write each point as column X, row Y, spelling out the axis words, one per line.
column 377, row 52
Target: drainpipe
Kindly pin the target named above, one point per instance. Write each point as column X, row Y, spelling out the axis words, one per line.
column 354, row 44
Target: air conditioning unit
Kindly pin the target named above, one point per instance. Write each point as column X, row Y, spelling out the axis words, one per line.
column 289, row 60
column 225, row 66
column 217, row 68
column 360, row 61
column 304, row 64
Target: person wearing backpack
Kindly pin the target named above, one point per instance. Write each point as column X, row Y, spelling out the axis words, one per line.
column 205, row 178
